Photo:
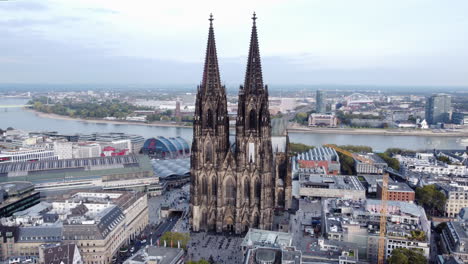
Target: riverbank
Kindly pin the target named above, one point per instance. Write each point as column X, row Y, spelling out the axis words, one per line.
column 101, row 121
column 382, row 132
column 311, row 130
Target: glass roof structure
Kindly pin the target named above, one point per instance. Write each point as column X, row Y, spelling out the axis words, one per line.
column 166, row 148
column 171, row 167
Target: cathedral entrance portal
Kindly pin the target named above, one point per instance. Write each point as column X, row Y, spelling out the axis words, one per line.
column 229, row 224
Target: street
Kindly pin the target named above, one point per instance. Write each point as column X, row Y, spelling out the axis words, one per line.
column 175, row 199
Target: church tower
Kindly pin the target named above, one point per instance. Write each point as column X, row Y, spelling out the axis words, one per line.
column 210, row 144
column 254, row 155
column 236, row 187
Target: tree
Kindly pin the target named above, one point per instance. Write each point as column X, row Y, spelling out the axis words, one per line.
column 346, row 119
column 175, row 237
column 89, row 109
column 418, row 235
column 296, row 148
column 301, row 118
column 357, row 148
column 168, row 112
column 431, row 199
column 153, row 117
column 347, row 164
column 392, row 162
column 198, row 262
column 440, row 227
column 407, row 256
column 393, row 151
column 444, row 159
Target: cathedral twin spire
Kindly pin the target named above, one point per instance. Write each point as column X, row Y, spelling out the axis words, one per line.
column 211, row 79
column 232, row 184
column 253, row 75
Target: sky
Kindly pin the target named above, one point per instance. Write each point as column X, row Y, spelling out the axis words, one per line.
column 337, row 42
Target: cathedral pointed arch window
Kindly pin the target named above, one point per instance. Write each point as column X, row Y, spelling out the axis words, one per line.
column 209, row 152
column 214, row 187
column 230, row 192
column 257, row 188
column 252, row 119
column 280, row 195
column 210, row 119
column 204, row 186
column 246, row 188
column 220, row 111
column 256, row 220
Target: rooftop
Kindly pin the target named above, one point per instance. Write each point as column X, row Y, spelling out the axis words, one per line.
column 40, row 234
column 163, row 255
column 11, row 192
column 47, row 170
column 171, row 167
column 78, row 215
column 403, row 219
column 372, row 156
column 343, row 182
column 266, row 237
column 397, row 187
column 16, row 187
column 62, row 254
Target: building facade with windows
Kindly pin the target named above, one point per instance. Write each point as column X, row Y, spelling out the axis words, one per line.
column 22, row 155
column 438, row 109
column 323, row 120
column 98, row 222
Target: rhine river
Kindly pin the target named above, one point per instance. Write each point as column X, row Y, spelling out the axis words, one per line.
column 26, row 120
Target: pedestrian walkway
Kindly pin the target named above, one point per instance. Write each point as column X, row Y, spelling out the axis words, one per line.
column 218, row 248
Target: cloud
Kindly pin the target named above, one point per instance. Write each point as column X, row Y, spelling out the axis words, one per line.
column 102, row 10
column 393, row 41
column 21, row 5
column 28, row 22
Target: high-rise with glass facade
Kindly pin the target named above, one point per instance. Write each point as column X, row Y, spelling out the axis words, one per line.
column 321, row 101
column 438, row 109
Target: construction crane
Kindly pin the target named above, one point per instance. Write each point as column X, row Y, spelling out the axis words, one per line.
column 383, row 219
column 383, row 204
column 350, row 154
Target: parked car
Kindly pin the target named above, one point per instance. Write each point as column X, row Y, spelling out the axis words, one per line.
column 123, row 250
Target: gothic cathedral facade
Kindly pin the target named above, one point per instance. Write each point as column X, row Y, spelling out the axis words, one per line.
column 241, row 184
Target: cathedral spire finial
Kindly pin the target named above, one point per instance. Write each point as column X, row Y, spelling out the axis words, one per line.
column 211, row 19
column 254, row 17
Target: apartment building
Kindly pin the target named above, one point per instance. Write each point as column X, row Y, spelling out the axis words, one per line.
column 98, row 222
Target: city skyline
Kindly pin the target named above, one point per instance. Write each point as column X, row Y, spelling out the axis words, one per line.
column 265, row 131
column 313, row 42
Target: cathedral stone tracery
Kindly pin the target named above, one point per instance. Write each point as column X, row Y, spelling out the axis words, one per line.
column 235, row 187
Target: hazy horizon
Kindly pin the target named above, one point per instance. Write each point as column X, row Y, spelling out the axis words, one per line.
column 362, row 42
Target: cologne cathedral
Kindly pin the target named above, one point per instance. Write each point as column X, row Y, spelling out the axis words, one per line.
column 241, row 181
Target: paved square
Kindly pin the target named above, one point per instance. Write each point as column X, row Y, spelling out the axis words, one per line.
column 221, row 248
